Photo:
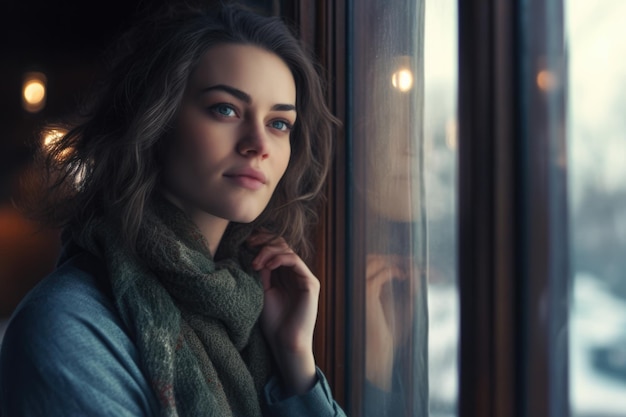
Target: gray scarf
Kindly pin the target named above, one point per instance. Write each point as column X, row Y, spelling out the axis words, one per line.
column 194, row 319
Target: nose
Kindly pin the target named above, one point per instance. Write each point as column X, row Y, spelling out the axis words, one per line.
column 254, row 141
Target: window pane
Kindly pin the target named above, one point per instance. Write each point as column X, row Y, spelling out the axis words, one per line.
column 597, row 203
column 402, row 129
column 440, row 142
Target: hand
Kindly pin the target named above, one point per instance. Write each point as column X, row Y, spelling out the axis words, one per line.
column 381, row 325
column 289, row 310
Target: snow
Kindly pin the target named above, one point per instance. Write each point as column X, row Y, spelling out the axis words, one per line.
column 598, row 319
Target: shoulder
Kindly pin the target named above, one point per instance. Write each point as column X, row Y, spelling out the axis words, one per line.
column 65, row 310
column 65, row 349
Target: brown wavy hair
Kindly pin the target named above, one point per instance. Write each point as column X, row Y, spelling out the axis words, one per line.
column 109, row 161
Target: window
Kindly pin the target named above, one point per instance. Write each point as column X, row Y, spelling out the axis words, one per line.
column 440, row 166
column 597, row 206
column 403, row 304
column 387, row 316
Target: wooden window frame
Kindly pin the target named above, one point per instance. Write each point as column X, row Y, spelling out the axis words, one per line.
column 512, row 211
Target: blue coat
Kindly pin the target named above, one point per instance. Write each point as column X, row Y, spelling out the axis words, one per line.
column 67, row 353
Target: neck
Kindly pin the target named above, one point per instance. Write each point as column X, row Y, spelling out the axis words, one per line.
column 211, row 227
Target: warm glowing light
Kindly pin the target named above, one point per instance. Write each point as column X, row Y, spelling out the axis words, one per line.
column 546, row 80
column 402, row 79
column 34, row 92
column 51, row 136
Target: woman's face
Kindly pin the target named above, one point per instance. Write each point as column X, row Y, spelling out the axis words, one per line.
column 231, row 145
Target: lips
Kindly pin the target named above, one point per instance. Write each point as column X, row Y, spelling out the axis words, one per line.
column 247, row 177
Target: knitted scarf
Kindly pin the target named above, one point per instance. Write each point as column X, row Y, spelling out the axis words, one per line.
column 194, row 320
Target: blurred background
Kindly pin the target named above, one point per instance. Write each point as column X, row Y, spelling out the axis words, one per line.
column 56, row 46
column 596, row 140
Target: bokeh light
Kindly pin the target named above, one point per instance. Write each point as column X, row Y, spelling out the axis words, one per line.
column 402, row 79
column 34, row 92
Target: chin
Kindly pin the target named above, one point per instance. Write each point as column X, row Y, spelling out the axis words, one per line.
column 244, row 217
column 239, row 210
column 245, row 220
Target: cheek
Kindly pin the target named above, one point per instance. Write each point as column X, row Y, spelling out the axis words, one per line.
column 184, row 155
column 198, row 145
column 284, row 161
column 287, row 158
column 185, row 158
column 279, row 167
column 189, row 139
column 194, row 130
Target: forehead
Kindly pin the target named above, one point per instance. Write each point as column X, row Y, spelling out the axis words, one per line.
column 260, row 73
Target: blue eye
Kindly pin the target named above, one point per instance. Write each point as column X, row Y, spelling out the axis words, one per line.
column 280, row 125
column 224, row 110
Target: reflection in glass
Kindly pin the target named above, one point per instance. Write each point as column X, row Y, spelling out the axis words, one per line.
column 389, row 243
column 403, row 149
column 596, row 37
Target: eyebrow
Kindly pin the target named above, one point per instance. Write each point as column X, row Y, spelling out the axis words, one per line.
column 244, row 96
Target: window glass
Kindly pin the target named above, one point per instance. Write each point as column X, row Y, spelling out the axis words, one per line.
column 402, row 134
column 596, row 39
column 440, row 163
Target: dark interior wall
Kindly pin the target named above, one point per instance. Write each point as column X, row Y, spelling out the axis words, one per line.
column 62, row 39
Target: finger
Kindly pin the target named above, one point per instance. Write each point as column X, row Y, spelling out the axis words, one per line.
column 373, row 267
column 269, row 251
column 376, row 263
column 377, row 281
column 288, row 260
column 384, row 272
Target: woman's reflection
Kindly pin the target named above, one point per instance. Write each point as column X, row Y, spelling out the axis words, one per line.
column 390, row 187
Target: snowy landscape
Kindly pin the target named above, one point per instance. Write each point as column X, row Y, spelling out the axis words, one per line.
column 597, row 350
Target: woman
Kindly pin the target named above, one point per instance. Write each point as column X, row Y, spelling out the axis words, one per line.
column 185, row 193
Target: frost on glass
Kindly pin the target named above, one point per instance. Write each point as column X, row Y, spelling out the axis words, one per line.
column 596, row 43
